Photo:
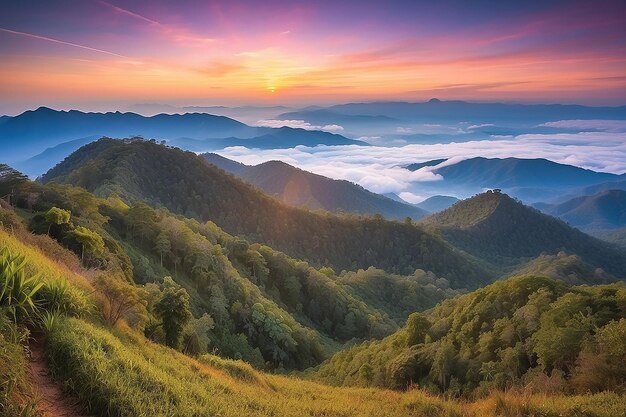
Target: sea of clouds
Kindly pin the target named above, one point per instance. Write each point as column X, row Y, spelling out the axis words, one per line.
column 381, row 168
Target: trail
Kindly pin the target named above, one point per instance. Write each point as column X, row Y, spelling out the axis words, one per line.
column 53, row 402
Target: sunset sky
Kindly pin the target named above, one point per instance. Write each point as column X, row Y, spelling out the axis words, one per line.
column 92, row 54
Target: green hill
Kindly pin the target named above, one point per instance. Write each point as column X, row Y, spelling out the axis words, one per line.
column 88, row 291
column 268, row 308
column 186, row 184
column 495, row 227
column 114, row 370
column 300, row 188
column 604, row 210
column 523, row 331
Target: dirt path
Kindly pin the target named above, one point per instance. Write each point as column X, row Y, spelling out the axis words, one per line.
column 53, row 402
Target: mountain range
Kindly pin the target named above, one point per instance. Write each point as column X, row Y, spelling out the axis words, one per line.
column 531, row 180
column 186, row 184
column 300, row 188
column 34, row 131
column 482, row 236
column 499, row 229
column 604, row 210
column 453, row 111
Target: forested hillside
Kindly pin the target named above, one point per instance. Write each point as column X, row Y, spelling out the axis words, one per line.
column 495, row 227
column 186, row 184
column 263, row 306
column 131, row 299
column 301, row 188
column 523, row 331
column 604, row 210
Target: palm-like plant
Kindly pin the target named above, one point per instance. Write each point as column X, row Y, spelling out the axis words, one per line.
column 16, row 289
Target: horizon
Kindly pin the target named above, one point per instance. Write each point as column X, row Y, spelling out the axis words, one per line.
column 304, row 53
column 191, row 108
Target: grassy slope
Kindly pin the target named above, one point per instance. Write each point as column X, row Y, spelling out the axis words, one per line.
column 119, row 372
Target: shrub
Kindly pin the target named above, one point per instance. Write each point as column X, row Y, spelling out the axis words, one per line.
column 17, row 291
column 59, row 295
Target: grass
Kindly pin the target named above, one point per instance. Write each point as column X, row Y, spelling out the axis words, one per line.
column 122, row 374
column 39, row 263
column 520, row 404
column 16, row 394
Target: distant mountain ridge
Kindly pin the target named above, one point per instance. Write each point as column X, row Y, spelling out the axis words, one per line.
column 437, row 203
column 301, row 188
column 36, row 130
column 450, row 111
column 528, row 179
column 605, row 210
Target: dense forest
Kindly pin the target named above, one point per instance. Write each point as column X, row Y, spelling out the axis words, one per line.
column 184, row 183
column 495, row 227
column 181, row 315
column 255, row 303
column 523, row 331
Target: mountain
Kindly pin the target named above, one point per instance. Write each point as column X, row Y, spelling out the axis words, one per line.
column 278, row 138
column 224, row 163
column 300, row 188
column 42, row 162
column 41, row 138
column 567, row 268
column 45, row 127
column 138, row 170
column 142, row 245
column 245, row 114
column 458, row 111
column 495, row 227
column 126, row 369
column 528, row 179
column 605, row 210
column 617, row 184
column 437, row 203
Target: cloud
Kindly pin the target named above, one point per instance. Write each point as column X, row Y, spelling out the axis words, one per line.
column 479, row 126
column 297, row 124
column 401, row 129
column 605, row 125
column 411, row 197
column 47, row 39
column 379, row 168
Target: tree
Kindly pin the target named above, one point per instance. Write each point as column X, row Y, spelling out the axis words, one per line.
column 443, row 363
column 196, row 335
column 122, row 300
column 417, row 327
column 173, row 310
column 9, row 180
column 141, row 219
column 162, row 245
column 57, row 216
column 89, row 240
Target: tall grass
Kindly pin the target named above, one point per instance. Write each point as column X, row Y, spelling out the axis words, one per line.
column 122, row 375
column 17, row 289
column 16, row 394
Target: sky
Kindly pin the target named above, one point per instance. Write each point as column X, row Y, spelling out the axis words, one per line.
column 96, row 54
